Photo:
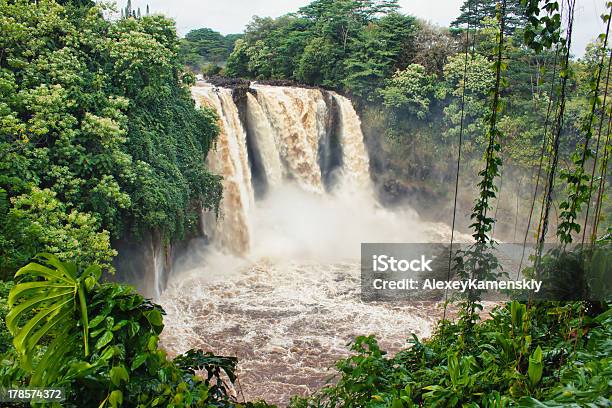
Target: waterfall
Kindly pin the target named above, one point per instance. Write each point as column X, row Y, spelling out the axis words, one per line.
column 265, row 141
column 287, row 129
column 279, row 287
column 296, row 117
column 355, row 169
column 229, row 159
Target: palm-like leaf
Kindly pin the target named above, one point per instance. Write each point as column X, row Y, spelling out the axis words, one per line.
column 45, row 306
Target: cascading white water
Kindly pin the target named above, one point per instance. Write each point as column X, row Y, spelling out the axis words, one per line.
column 287, row 305
column 159, row 267
column 355, row 161
column 230, row 159
column 265, row 141
column 286, row 126
column 296, row 117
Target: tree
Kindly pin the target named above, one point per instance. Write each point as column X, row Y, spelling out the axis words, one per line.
column 316, row 66
column 260, row 55
column 477, row 85
column 69, row 105
column 380, row 48
column 411, row 89
column 205, row 46
column 348, row 44
column 433, row 46
column 77, row 3
column 271, row 48
column 128, row 9
column 339, row 16
column 238, row 61
column 473, row 12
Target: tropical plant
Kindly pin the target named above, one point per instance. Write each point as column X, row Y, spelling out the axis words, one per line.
column 54, row 293
column 100, row 343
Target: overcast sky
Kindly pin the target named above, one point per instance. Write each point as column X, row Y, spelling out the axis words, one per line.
column 231, row 16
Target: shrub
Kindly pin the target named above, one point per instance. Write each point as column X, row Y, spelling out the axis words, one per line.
column 99, row 341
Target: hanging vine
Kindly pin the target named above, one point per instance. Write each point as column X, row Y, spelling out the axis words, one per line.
column 459, row 150
column 597, row 149
column 545, row 143
column 483, row 223
column 602, row 178
column 478, row 261
column 565, row 73
column 542, row 32
column 577, row 179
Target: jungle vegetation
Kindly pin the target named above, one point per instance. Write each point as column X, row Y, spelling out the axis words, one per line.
column 99, row 138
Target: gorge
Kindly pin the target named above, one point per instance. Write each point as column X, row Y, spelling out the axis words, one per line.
column 276, row 280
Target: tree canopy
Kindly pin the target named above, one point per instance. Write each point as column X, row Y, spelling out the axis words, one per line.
column 350, row 44
column 99, row 134
column 204, row 48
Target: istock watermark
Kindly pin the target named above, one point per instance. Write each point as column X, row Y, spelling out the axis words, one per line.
column 384, row 263
column 422, row 272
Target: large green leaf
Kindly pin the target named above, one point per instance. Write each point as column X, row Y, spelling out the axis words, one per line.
column 48, row 314
column 42, row 306
column 118, row 374
column 536, row 366
column 58, row 352
column 26, row 289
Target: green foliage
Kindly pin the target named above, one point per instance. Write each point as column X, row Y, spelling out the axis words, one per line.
column 483, row 223
column 102, row 348
column 281, row 40
column 478, row 82
column 5, row 334
column 99, row 135
column 474, row 12
column 317, row 64
column 520, row 356
column 238, row 61
column 535, row 368
column 215, row 367
column 480, row 79
column 50, row 293
column 379, row 48
column 543, row 31
column 433, row 46
column 578, row 178
column 349, row 45
column 411, row 89
column 203, row 47
column 39, row 220
column 579, row 273
column 478, row 262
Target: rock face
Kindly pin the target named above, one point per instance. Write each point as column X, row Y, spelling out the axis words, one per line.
column 147, row 262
